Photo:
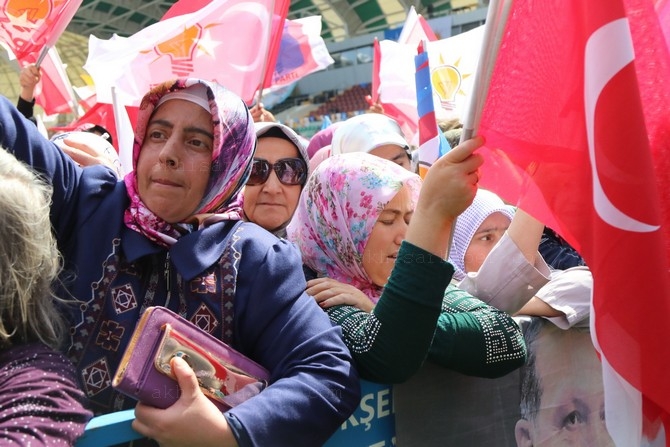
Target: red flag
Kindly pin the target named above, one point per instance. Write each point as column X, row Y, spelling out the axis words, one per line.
column 54, row 93
column 376, row 62
column 103, row 115
column 27, row 26
column 578, row 134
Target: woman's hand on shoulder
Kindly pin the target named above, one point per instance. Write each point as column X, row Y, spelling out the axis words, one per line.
column 329, row 292
column 192, row 420
column 86, row 155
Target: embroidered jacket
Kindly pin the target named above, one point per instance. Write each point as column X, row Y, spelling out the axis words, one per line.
column 249, row 293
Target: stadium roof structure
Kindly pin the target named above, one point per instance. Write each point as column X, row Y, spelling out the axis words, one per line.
column 341, row 19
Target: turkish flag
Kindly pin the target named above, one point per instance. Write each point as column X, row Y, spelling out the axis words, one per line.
column 577, row 129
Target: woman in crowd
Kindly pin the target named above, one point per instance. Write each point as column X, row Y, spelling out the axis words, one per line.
column 278, row 173
column 41, row 402
column 375, row 134
column 495, row 256
column 170, row 235
column 377, row 247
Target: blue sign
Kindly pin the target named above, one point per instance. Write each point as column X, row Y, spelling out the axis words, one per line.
column 373, row 422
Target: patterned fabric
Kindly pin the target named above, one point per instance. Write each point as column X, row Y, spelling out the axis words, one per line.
column 233, row 148
column 338, row 208
column 502, row 339
column 41, row 402
column 484, row 204
column 476, row 339
column 98, row 341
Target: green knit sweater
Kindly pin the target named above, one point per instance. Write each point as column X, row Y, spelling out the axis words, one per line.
column 416, row 318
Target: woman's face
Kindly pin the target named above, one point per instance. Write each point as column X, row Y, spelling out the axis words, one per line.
column 485, row 238
column 394, row 153
column 388, row 232
column 272, row 204
column 174, row 163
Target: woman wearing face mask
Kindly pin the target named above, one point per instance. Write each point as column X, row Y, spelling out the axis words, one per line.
column 170, row 235
column 378, row 248
column 278, row 173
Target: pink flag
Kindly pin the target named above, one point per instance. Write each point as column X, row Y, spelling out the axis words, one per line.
column 415, row 29
column 578, row 134
column 302, row 51
column 30, row 27
column 227, row 41
column 663, row 9
column 281, row 7
column 27, row 26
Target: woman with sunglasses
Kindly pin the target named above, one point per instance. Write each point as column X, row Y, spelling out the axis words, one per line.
column 278, row 174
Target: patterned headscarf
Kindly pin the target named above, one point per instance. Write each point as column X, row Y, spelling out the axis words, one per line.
column 233, row 148
column 339, row 206
column 484, row 204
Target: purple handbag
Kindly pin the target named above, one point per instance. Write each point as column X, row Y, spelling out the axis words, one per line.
column 226, row 377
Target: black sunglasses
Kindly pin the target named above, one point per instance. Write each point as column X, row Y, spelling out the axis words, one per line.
column 290, row 171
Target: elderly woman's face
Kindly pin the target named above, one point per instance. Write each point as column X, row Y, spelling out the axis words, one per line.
column 272, row 204
column 175, row 160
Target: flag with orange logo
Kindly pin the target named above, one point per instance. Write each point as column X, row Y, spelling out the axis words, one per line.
column 27, row 26
column 453, row 61
column 227, row 41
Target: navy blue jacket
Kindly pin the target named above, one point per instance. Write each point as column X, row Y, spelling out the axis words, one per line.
column 249, row 293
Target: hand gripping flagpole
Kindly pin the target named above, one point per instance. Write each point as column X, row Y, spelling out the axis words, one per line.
column 494, row 28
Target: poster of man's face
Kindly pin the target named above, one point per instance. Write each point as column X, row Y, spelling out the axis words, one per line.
column 562, row 397
column 556, row 399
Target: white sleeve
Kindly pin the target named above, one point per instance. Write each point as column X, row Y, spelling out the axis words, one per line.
column 569, row 291
column 506, row 280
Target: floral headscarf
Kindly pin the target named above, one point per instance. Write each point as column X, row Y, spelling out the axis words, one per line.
column 484, row 204
column 339, row 206
column 233, row 148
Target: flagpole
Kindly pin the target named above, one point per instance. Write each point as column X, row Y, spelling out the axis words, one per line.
column 266, row 62
column 123, row 143
column 42, row 55
column 494, row 28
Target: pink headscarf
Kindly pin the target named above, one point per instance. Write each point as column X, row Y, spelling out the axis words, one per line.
column 338, row 208
column 322, row 138
column 233, row 149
